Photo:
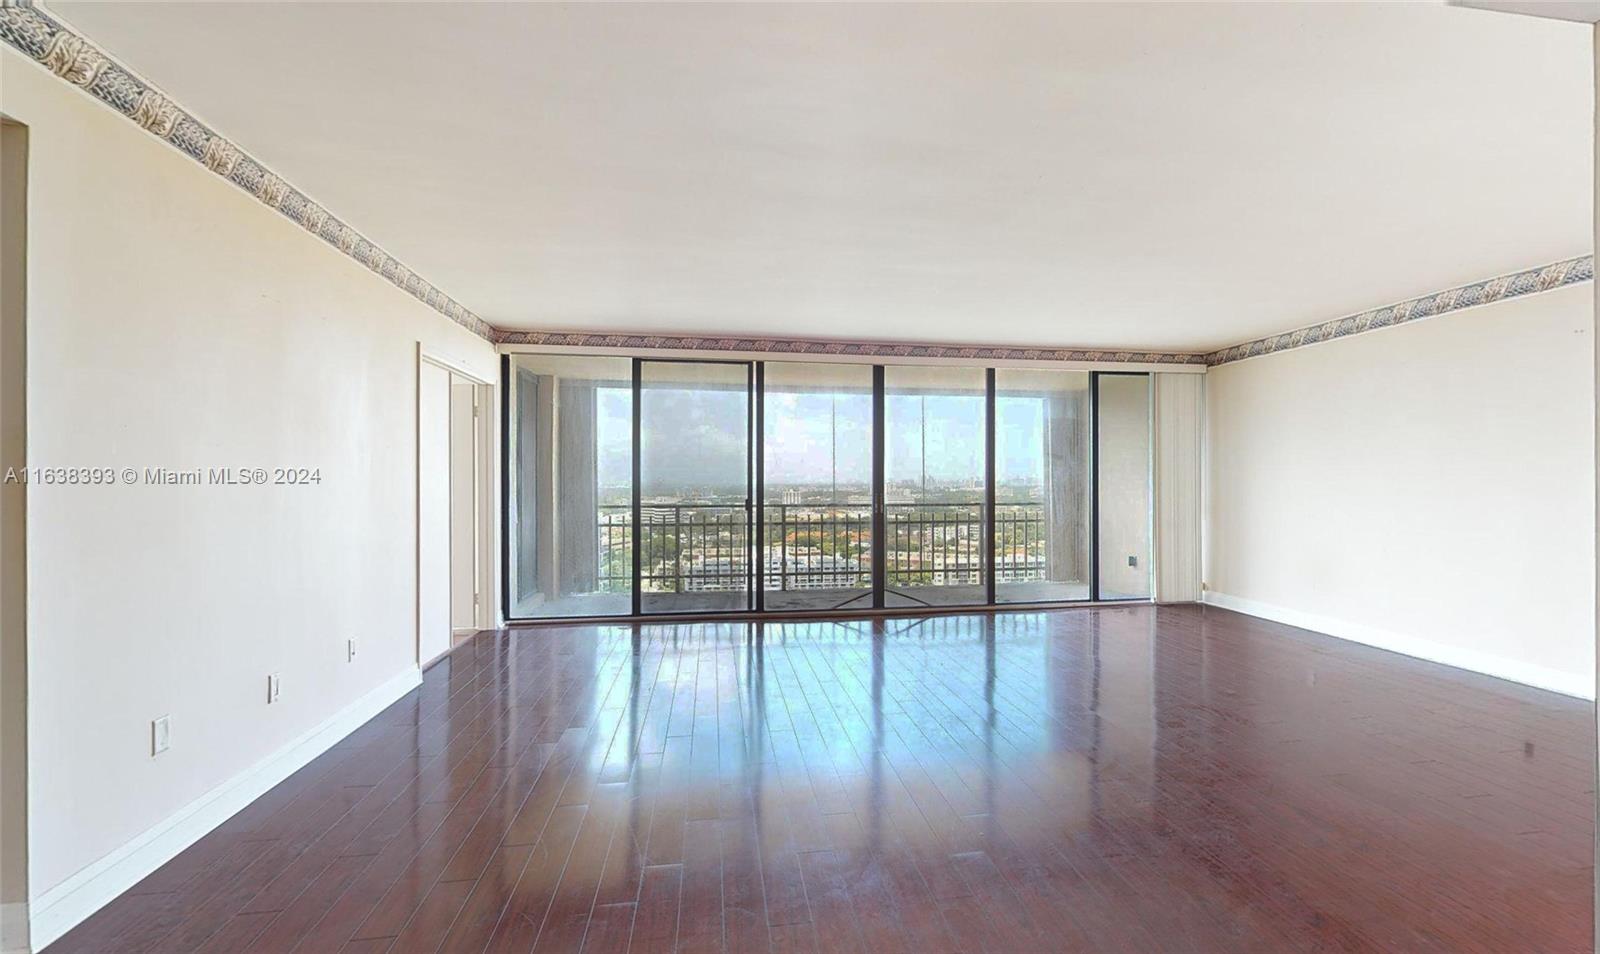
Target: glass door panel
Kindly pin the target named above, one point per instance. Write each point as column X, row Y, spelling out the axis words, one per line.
column 570, row 493
column 1122, row 404
column 816, row 542
column 934, row 441
column 694, row 487
column 1041, row 449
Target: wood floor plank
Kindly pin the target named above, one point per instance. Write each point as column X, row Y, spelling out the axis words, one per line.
column 700, row 898
column 288, row 926
column 655, row 923
column 524, row 914
column 481, row 912
column 610, row 927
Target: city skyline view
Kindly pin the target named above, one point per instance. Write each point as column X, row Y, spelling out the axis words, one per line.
column 814, row 440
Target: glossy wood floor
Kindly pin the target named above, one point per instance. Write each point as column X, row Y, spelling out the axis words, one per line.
column 1124, row 779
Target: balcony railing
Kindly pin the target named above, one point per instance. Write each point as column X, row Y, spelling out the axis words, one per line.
column 702, row 547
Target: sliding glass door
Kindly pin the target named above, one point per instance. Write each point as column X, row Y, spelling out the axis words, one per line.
column 816, row 501
column 1041, row 451
column 695, row 505
column 659, row 486
column 569, row 486
column 935, row 435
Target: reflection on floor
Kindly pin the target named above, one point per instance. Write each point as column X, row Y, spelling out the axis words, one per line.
column 1033, row 591
column 821, row 598
column 1127, row 778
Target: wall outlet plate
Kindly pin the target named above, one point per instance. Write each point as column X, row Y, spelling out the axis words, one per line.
column 160, row 735
column 274, row 684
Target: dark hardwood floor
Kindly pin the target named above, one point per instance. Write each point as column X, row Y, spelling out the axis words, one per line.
column 1121, row 779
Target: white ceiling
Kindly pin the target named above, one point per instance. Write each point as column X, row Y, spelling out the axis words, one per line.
column 1174, row 176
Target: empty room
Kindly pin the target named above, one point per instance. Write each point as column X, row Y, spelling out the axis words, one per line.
column 646, row 477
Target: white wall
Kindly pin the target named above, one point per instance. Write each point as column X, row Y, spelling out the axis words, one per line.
column 175, row 322
column 433, row 511
column 1429, row 486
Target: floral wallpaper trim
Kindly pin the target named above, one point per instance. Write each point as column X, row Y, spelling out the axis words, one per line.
column 801, row 346
column 1556, row 275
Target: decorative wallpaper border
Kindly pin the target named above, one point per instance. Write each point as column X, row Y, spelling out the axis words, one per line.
column 76, row 60
column 863, row 348
column 1533, row 280
column 81, row 63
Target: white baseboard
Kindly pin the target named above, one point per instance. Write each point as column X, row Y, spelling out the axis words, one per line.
column 59, row 909
column 1581, row 685
column 13, row 928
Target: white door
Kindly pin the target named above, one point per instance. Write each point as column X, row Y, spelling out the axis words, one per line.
column 433, row 512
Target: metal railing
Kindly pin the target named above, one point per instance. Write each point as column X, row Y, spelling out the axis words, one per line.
column 1020, row 542
column 817, row 546
column 702, row 547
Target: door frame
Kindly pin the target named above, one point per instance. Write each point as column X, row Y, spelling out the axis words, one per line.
column 16, row 896
column 485, row 520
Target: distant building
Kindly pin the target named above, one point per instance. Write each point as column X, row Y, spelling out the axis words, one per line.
column 810, row 570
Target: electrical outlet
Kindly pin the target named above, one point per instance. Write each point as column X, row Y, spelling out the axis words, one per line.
column 1133, row 561
column 350, row 650
column 274, row 684
column 160, row 735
